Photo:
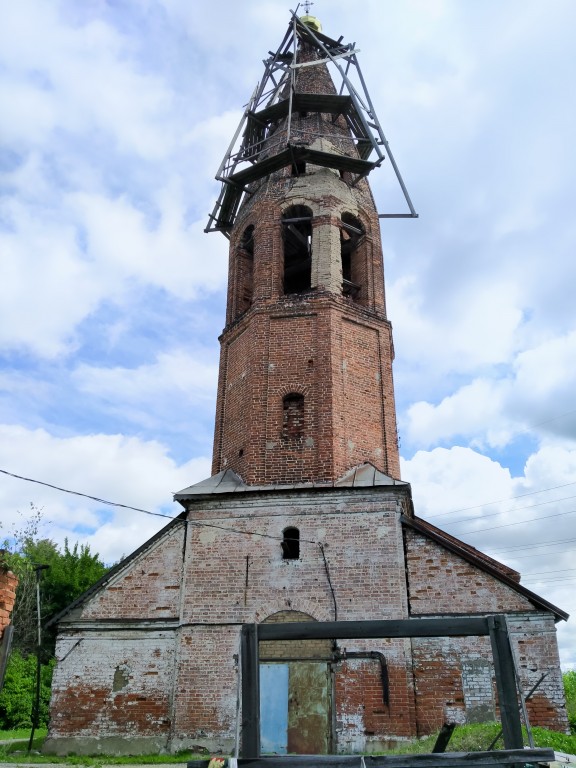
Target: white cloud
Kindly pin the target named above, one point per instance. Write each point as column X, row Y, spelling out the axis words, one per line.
column 537, row 395
column 79, row 78
column 526, row 522
column 119, row 116
column 114, row 467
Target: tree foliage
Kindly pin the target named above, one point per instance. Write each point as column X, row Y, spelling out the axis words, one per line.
column 71, row 571
column 18, row 691
column 569, row 679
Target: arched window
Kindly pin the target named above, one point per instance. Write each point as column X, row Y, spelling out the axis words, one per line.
column 351, row 236
column 297, row 237
column 245, row 270
column 293, row 417
column 291, row 544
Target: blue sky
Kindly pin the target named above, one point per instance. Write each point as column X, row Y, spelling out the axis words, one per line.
column 116, row 117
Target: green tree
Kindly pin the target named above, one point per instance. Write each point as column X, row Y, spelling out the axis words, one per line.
column 17, row 694
column 569, row 679
column 70, row 572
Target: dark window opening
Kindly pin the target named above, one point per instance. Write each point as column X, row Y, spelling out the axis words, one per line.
column 291, row 544
column 245, row 269
column 297, row 236
column 293, row 417
column 299, row 168
column 351, row 236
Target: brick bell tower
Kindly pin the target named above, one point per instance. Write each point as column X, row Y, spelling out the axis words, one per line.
column 304, row 518
column 305, row 385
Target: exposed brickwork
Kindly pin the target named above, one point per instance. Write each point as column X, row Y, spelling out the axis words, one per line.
column 294, row 649
column 305, row 394
column 440, row 582
column 151, row 587
column 228, row 579
column 8, row 584
column 336, row 347
column 113, row 684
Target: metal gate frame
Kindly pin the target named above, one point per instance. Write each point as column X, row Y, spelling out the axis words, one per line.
column 494, row 627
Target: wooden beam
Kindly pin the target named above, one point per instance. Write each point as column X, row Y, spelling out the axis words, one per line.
column 347, row 630
column 250, row 743
column 509, row 757
column 505, row 682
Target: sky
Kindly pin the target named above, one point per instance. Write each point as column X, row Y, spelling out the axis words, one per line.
column 116, row 116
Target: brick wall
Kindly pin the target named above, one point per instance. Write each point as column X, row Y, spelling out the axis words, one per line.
column 8, row 584
column 334, row 349
column 440, row 582
column 170, row 677
column 108, row 686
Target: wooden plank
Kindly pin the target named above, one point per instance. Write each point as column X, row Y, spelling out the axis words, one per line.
column 444, row 760
column 298, row 154
column 505, row 682
column 451, row 627
column 444, row 737
column 304, row 102
column 250, row 742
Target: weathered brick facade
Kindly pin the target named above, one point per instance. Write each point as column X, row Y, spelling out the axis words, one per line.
column 8, row 584
column 304, row 518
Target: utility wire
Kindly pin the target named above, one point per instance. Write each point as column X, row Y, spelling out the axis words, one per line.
column 147, row 512
column 540, row 554
column 518, row 547
column 508, row 511
column 519, row 522
column 501, row 501
column 85, row 495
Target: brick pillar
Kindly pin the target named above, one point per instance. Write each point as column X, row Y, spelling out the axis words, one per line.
column 8, row 584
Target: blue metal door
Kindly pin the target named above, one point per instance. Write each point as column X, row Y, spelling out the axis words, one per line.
column 274, row 709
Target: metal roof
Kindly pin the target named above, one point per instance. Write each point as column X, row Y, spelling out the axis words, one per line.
column 363, row 476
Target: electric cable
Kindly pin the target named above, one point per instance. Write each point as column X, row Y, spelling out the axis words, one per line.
column 519, row 522
column 501, row 501
column 148, row 512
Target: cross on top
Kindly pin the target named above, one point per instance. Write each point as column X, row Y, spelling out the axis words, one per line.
column 307, row 5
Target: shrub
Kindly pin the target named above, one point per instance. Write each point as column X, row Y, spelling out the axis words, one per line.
column 19, row 689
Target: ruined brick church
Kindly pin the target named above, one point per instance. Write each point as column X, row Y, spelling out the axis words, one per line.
column 305, row 517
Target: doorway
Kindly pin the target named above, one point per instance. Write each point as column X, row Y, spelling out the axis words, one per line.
column 295, row 708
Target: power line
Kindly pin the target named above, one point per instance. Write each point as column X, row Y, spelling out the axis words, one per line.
column 514, row 509
column 519, row 522
column 146, row 511
column 541, row 554
column 532, row 546
column 501, row 501
column 85, row 495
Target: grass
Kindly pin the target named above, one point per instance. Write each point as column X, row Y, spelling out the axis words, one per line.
column 466, row 738
column 22, row 733
column 477, row 738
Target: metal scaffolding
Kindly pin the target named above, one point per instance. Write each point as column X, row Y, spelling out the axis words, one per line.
column 255, row 151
